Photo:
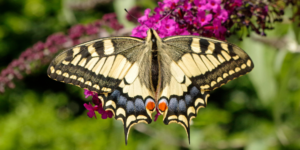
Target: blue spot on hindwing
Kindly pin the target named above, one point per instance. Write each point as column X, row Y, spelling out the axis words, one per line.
column 129, row 107
column 194, row 91
column 139, row 105
column 122, row 101
column 115, row 95
column 173, row 105
column 182, row 106
column 188, row 99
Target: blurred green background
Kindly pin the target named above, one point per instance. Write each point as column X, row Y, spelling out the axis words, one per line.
column 259, row 111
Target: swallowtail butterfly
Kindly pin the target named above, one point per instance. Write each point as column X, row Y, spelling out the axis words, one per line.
column 133, row 76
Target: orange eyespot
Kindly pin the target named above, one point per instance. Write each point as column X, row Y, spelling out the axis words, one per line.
column 162, row 106
column 150, row 105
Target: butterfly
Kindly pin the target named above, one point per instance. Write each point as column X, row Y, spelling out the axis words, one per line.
column 134, row 76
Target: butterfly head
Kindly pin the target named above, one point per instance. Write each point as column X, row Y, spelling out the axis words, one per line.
column 153, row 38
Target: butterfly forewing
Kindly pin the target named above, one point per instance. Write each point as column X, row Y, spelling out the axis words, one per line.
column 207, row 62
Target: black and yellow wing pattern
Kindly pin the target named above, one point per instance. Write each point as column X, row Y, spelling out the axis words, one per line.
column 133, row 76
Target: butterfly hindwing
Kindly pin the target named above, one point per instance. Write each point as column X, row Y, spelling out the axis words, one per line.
column 116, row 69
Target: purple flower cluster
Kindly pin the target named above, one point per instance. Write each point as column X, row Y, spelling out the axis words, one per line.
column 98, row 106
column 183, row 17
column 38, row 52
column 210, row 18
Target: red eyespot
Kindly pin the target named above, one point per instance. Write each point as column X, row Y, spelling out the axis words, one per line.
column 162, row 106
column 150, row 105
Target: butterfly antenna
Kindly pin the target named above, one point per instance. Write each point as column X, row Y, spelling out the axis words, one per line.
column 156, row 22
column 130, row 14
column 134, row 17
column 165, row 16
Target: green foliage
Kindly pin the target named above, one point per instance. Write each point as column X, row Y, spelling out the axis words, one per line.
column 255, row 112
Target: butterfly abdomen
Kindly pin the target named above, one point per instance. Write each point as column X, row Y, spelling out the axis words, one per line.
column 154, row 70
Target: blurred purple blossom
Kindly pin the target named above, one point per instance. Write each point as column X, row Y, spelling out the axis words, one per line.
column 42, row 52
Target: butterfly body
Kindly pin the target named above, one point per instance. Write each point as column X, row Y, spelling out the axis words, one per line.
column 133, row 76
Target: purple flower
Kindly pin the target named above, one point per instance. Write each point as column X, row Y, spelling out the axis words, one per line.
column 186, row 6
column 91, row 29
column 204, row 19
column 111, row 21
column 88, row 93
column 196, row 34
column 104, row 114
column 219, row 30
column 213, row 4
column 95, row 99
column 55, row 39
column 157, row 114
column 76, row 31
column 185, row 32
column 98, row 106
column 170, row 4
column 140, row 31
column 159, row 8
column 39, row 46
column 200, row 5
column 189, row 17
column 238, row 3
column 221, row 14
column 91, row 110
column 166, row 27
column 145, row 17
